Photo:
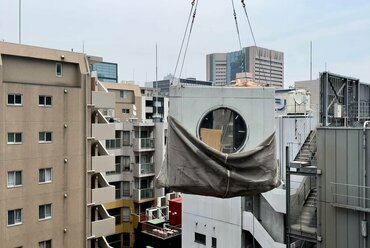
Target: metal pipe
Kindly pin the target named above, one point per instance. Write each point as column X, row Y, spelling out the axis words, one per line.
column 364, row 223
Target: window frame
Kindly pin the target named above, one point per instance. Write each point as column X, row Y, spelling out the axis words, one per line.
column 61, row 70
column 14, row 138
column 126, row 111
column 45, row 104
column 46, row 141
column 51, row 175
column 123, row 94
column 43, row 244
column 51, row 212
column 15, row 185
column 14, row 104
column 15, row 223
column 197, row 240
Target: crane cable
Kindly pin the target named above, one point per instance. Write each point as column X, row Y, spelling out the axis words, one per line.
column 188, row 41
column 236, row 24
column 183, row 40
column 254, row 39
column 237, row 31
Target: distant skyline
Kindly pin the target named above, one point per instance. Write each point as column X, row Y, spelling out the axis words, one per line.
column 126, row 32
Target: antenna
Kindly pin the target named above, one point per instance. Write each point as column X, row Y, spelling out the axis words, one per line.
column 20, row 22
column 83, row 46
column 156, row 82
column 311, row 60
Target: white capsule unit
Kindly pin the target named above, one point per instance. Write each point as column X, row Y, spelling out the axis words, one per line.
column 249, row 113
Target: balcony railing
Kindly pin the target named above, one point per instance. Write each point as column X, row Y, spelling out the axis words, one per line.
column 143, row 143
column 102, row 161
column 351, row 196
column 143, row 194
column 163, row 233
column 104, row 225
column 143, row 169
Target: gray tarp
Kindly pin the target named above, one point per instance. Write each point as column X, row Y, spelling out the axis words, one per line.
column 193, row 167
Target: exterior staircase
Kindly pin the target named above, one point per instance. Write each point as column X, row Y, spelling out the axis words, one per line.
column 307, row 154
column 305, row 222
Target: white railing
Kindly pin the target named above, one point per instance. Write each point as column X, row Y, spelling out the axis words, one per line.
column 356, row 196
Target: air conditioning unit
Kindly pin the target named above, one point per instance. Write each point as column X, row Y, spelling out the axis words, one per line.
column 164, row 212
column 153, row 213
column 161, row 201
column 170, row 196
column 178, row 194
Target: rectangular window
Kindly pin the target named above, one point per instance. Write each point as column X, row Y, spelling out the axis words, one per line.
column 14, row 138
column 125, row 111
column 45, row 175
column 45, row 101
column 14, row 179
column 59, row 70
column 45, row 244
column 214, row 242
column 45, row 137
column 15, row 217
column 45, row 212
column 126, row 188
column 200, row 238
column 126, row 214
column 15, row 99
column 126, row 162
column 123, row 94
column 126, row 138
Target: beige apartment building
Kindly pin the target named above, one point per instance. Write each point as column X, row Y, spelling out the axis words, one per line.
column 52, row 159
column 139, row 147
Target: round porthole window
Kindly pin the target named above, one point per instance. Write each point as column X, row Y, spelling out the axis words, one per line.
column 223, row 129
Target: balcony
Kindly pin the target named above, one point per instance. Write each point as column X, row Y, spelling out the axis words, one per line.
column 103, row 224
column 101, row 160
column 101, row 128
column 103, row 163
column 149, row 109
column 142, row 195
column 102, row 243
column 143, row 144
column 103, row 100
column 162, row 233
column 144, row 170
column 103, row 192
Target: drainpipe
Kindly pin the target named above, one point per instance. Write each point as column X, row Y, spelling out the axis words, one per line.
column 364, row 222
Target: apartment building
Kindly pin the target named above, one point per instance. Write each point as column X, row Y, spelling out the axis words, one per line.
column 139, row 147
column 51, row 158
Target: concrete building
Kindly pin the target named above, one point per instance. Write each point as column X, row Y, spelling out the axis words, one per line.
column 52, row 161
column 266, row 66
column 139, row 147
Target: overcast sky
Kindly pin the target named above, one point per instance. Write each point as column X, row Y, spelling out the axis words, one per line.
column 126, row 31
